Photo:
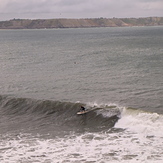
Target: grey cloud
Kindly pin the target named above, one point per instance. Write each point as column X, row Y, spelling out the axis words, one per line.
column 79, row 8
column 72, row 2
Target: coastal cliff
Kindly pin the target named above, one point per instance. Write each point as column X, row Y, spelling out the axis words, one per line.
column 80, row 23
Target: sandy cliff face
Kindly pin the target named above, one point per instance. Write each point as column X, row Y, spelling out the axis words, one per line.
column 79, row 23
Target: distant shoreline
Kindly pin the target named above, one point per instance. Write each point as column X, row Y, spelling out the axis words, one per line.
column 80, row 23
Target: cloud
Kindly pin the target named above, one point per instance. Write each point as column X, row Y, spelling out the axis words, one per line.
column 79, row 8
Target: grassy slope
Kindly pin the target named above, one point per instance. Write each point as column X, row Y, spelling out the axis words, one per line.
column 79, row 23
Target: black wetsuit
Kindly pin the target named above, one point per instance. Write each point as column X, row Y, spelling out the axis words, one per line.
column 82, row 108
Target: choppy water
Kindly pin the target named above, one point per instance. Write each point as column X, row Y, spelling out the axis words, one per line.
column 45, row 75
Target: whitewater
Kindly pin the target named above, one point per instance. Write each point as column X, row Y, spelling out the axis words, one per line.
column 47, row 74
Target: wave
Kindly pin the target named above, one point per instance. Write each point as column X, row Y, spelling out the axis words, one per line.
column 46, row 115
column 56, row 117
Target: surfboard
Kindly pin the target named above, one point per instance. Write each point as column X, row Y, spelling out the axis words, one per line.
column 82, row 112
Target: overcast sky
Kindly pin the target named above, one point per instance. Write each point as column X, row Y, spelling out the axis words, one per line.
column 45, row 9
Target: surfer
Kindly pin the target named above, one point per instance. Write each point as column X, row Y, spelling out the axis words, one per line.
column 82, row 109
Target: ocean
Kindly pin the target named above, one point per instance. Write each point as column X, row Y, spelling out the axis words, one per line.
column 47, row 74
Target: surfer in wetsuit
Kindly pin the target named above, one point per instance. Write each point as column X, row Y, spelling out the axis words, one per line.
column 82, row 109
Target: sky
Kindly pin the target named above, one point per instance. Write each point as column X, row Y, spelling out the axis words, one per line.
column 48, row 9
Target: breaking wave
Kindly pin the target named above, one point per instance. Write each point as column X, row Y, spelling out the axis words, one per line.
column 59, row 118
column 49, row 116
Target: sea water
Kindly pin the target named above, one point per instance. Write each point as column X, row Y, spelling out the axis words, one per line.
column 47, row 74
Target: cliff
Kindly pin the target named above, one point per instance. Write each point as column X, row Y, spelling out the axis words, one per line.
column 79, row 23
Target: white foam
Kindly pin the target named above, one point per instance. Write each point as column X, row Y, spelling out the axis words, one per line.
column 148, row 124
column 107, row 109
column 95, row 147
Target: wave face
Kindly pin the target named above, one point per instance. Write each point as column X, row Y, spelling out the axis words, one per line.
column 45, row 116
